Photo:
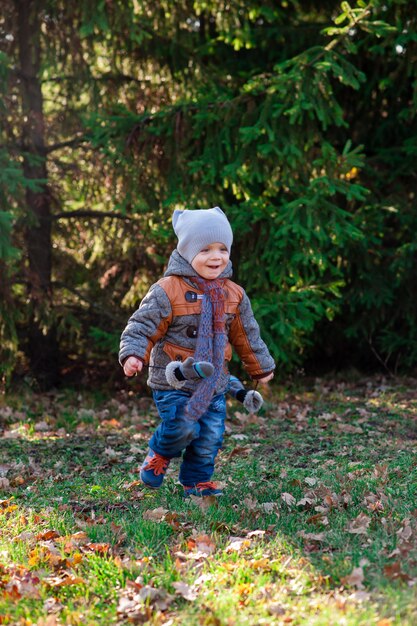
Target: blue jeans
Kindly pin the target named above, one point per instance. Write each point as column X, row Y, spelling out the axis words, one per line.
column 200, row 440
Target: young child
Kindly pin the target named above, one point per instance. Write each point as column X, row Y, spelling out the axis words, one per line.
column 194, row 311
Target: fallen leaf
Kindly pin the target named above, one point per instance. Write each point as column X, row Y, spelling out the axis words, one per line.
column 312, row 536
column 359, row 525
column 237, row 544
column 112, row 423
column 100, row 548
column 52, row 605
column 185, row 591
column 275, row 608
column 129, row 486
column 250, row 503
column 155, row 515
column 47, row 535
column 348, row 428
column 307, row 502
column 201, row 543
column 240, row 451
column 204, row 502
column 288, row 498
column 261, row 564
column 255, row 533
column 22, row 583
column 355, row 578
column 64, row 579
column 268, row 507
column 395, row 573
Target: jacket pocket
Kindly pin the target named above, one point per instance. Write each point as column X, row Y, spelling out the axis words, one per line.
column 176, row 353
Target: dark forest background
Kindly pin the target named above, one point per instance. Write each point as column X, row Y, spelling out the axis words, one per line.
column 297, row 118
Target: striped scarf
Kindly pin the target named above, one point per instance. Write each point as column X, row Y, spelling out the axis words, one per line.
column 211, row 343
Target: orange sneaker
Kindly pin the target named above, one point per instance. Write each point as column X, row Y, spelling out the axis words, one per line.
column 153, row 469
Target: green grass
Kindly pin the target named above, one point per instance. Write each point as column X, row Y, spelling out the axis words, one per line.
column 318, row 524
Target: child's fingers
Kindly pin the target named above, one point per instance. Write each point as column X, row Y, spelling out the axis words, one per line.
column 132, row 366
column 266, row 379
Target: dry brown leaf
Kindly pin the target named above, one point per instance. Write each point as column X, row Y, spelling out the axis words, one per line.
column 204, row 502
column 349, row 428
column 260, row 564
column 307, row 502
column 395, row 573
column 4, row 504
column 47, row 535
column 268, row 507
column 237, row 544
column 100, row 548
column 155, row 515
column 25, row 536
column 312, row 536
column 240, row 451
column 359, row 525
column 202, row 544
column 288, row 498
column 52, row 605
column 185, row 591
column 132, row 485
column 355, row 578
column 275, row 608
column 259, row 533
column 405, row 533
column 250, row 503
column 22, row 583
column 64, row 579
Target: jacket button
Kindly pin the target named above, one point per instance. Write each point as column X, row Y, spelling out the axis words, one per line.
column 178, row 357
column 192, row 331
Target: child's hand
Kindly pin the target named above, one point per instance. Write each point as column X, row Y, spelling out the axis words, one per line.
column 132, row 366
column 266, row 379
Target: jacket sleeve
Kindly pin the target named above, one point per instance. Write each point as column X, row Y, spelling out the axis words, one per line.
column 146, row 326
column 246, row 339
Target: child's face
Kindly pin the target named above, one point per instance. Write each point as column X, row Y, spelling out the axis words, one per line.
column 211, row 261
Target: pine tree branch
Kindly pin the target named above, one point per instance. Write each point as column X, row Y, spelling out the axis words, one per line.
column 68, row 143
column 108, row 76
column 91, row 214
column 60, row 285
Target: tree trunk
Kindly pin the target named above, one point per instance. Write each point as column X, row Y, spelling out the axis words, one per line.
column 42, row 340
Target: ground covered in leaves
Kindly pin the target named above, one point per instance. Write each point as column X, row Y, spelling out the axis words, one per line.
column 318, row 524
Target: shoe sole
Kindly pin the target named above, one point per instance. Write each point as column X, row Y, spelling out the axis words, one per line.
column 149, row 485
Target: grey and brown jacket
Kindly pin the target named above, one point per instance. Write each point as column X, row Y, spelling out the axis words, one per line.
column 164, row 327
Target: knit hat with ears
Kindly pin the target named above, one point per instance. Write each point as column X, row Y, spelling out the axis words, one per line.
column 200, row 227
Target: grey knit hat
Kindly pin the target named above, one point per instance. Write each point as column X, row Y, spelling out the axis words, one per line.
column 199, row 228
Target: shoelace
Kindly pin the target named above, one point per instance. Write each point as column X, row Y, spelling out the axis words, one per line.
column 158, row 464
column 201, row 486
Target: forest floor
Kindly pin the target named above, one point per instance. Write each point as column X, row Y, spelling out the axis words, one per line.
column 318, row 524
